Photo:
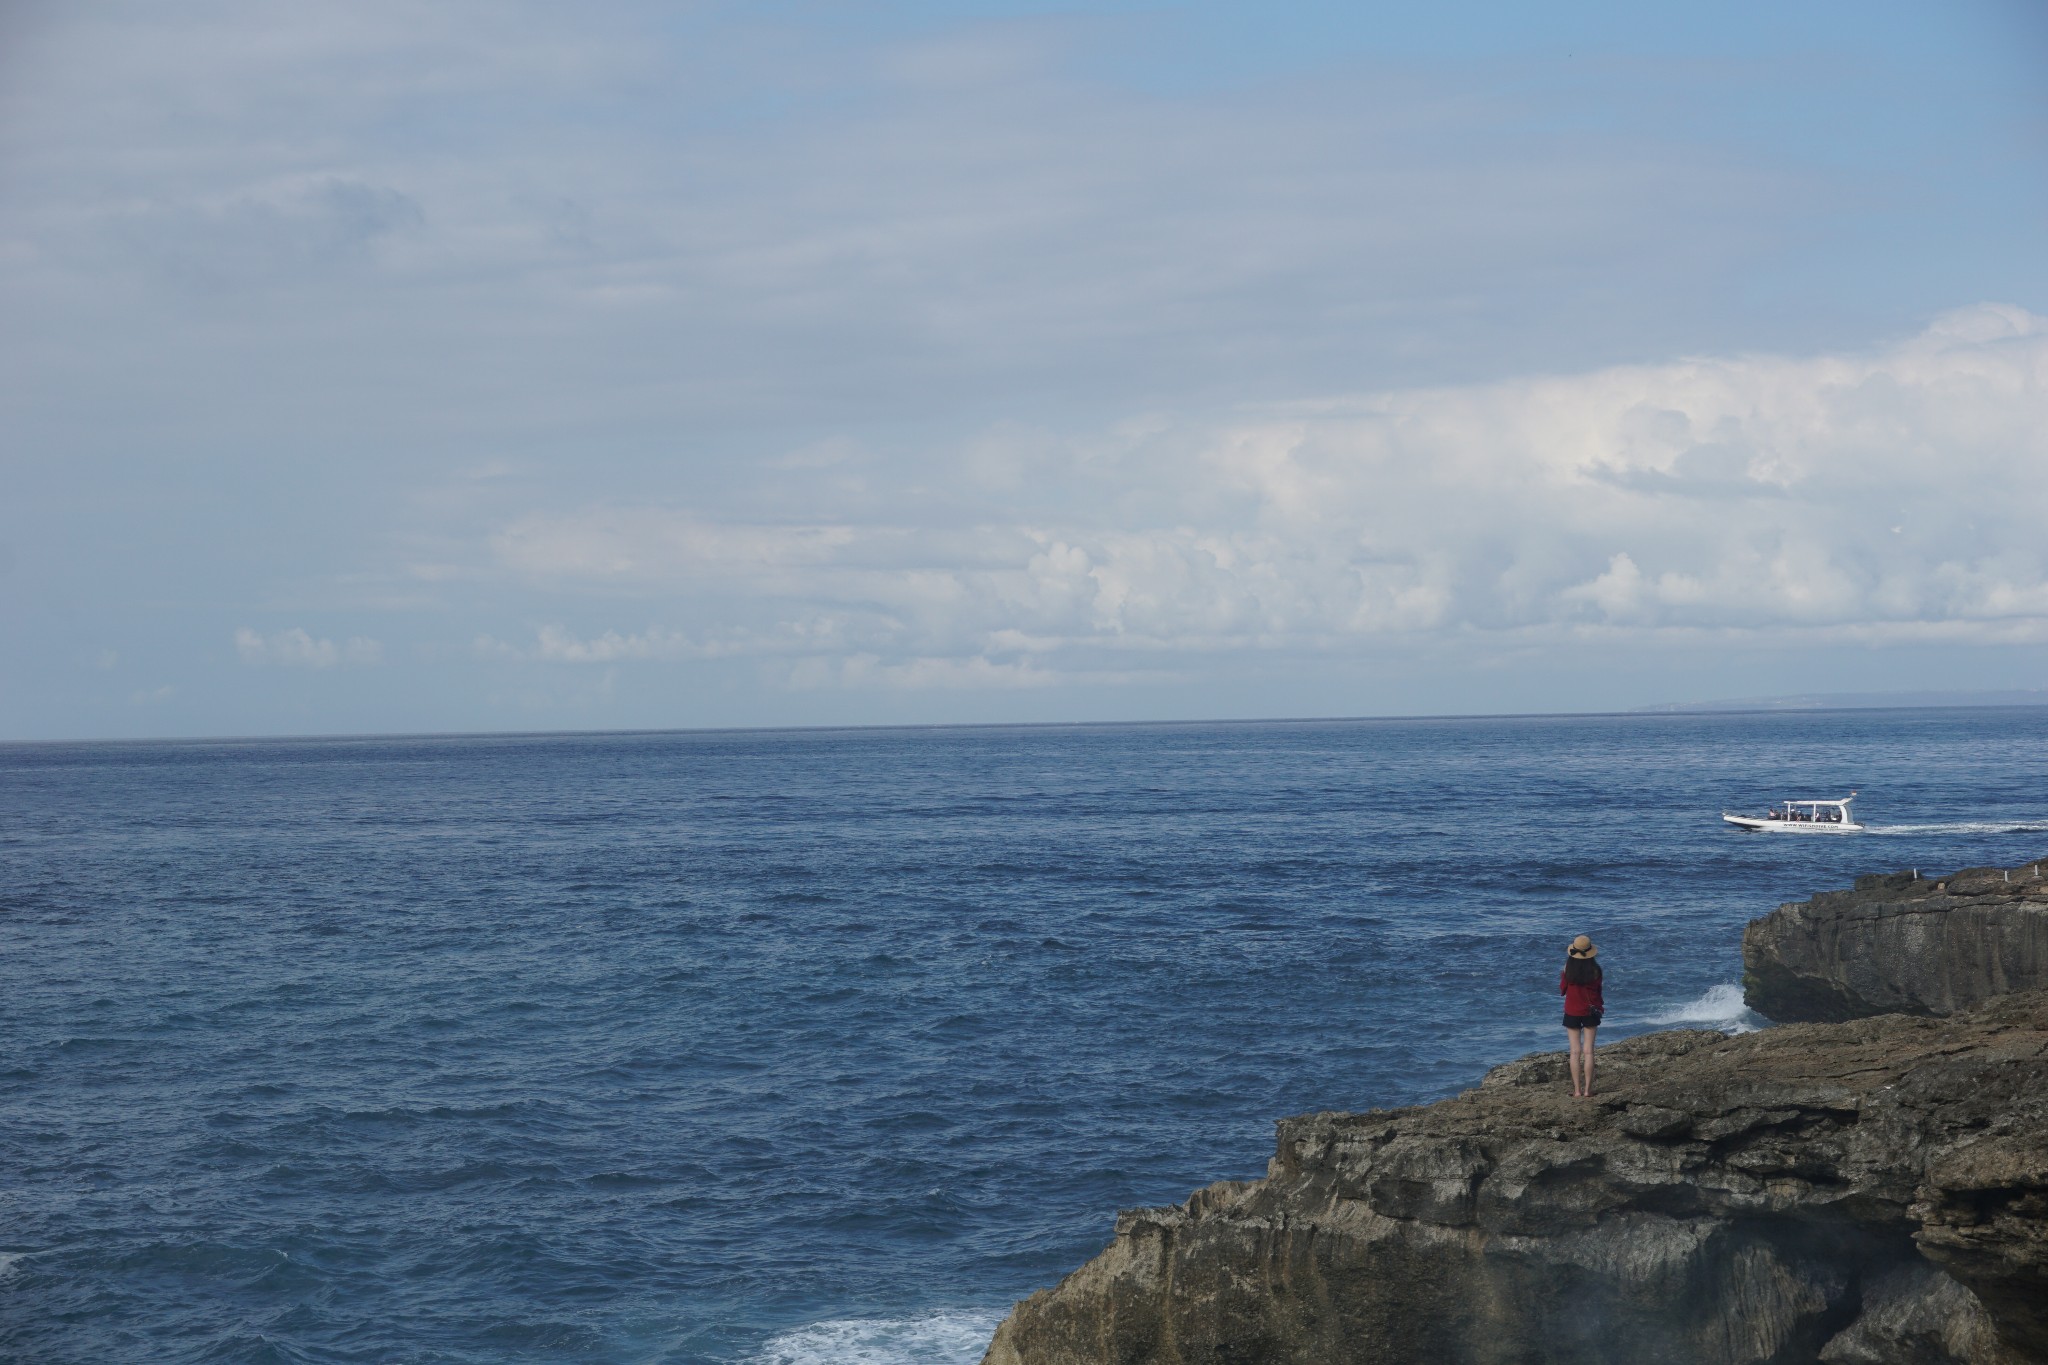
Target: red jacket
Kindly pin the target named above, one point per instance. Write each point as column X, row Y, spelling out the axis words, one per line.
column 1581, row 999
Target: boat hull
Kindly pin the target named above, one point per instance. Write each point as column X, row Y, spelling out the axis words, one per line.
column 1755, row 824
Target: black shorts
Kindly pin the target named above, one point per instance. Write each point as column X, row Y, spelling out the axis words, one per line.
column 1582, row 1021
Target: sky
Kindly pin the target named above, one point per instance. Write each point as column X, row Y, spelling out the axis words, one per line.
column 383, row 367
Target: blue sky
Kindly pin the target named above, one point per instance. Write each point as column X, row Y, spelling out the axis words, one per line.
column 478, row 367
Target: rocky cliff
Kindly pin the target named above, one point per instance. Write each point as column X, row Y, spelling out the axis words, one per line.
column 1872, row 1192
column 1901, row 944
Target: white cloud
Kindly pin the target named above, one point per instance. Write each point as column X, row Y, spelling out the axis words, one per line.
column 1891, row 495
column 868, row 670
column 556, row 644
column 649, row 544
column 295, row 648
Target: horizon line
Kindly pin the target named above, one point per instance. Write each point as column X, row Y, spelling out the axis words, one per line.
column 1787, row 705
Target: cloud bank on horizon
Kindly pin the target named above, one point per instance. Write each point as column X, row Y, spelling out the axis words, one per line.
column 484, row 367
column 1740, row 500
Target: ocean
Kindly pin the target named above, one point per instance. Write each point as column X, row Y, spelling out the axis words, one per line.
column 820, row 1046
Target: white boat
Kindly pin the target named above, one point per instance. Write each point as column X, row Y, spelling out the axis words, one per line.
column 1801, row 817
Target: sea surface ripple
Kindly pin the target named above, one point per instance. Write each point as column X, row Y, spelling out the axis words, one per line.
column 797, row 1047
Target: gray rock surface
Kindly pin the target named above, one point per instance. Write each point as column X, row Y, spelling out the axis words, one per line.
column 1897, row 944
column 1873, row 1191
column 1917, row 1313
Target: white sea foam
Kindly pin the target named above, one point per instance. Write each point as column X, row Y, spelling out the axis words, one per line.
column 1720, row 1007
column 932, row 1339
column 1966, row 827
column 9, row 1262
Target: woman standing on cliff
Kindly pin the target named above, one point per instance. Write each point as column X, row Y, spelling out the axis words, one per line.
column 1580, row 985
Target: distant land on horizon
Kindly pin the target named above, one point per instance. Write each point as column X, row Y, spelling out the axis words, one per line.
column 1858, row 701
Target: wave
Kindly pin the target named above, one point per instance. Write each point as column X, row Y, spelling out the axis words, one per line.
column 1719, row 1007
column 9, row 1261
column 1964, row 827
column 957, row 1338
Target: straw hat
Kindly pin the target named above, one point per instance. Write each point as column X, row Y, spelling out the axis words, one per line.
column 1582, row 947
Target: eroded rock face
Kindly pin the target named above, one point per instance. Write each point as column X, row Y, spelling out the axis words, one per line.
column 1900, row 944
column 1871, row 1192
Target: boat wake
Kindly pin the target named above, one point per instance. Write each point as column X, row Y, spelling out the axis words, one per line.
column 1965, row 827
column 1719, row 1007
column 933, row 1339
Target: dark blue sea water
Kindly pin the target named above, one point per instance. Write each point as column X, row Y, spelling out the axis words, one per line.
column 818, row 1046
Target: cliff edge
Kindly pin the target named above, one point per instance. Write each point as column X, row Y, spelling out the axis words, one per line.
column 1872, row 1192
column 1900, row 943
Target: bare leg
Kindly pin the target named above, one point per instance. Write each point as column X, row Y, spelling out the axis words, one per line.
column 1578, row 1085
column 1588, row 1035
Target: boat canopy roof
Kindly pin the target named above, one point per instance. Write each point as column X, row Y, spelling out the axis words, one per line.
column 1842, row 802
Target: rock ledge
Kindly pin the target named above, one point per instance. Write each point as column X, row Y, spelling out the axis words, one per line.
column 1872, row 1192
column 1898, row 943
